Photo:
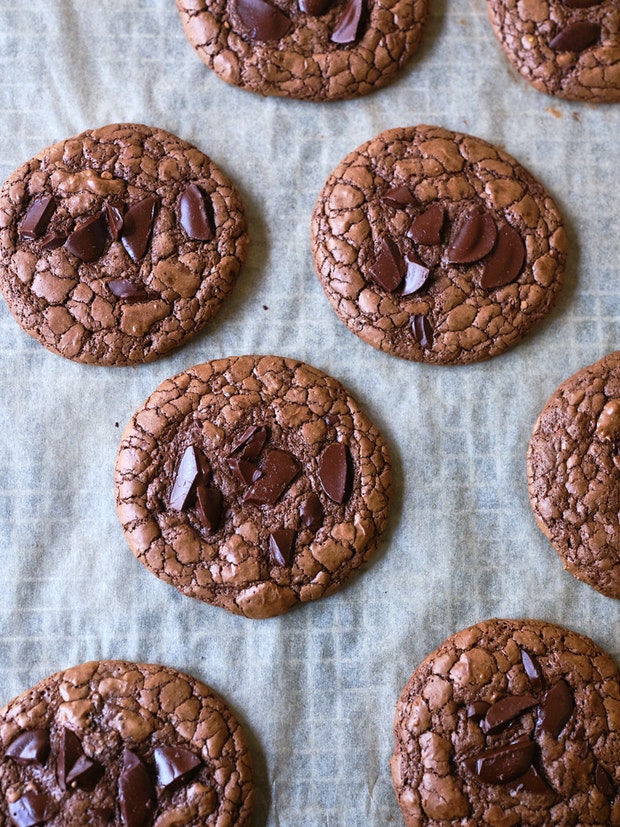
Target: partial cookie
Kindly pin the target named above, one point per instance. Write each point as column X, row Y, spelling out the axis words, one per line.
column 567, row 48
column 252, row 483
column 114, row 742
column 437, row 246
column 513, row 723
column 308, row 49
column 573, row 467
column 119, row 244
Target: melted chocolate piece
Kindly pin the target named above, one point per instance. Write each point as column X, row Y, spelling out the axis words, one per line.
column 114, row 213
column 88, row 239
column 262, row 21
column 32, row 809
column 251, row 442
column 31, row 747
column 38, row 216
column 244, row 472
column 416, row 276
column 505, row 763
column 334, row 472
column 532, row 670
column 315, row 8
column 281, row 544
column 138, row 226
column 195, row 212
column 174, row 766
column 53, row 240
column 279, row 469
column 427, row 226
column 85, row 774
column 556, row 709
column 185, row 479
column 576, row 37
column 422, row 331
column 347, row 26
column 311, row 512
column 399, row 197
column 472, row 238
column 502, row 712
column 477, row 710
column 604, row 782
column 208, row 505
column 69, row 751
column 126, row 289
column 531, row 782
column 388, row 268
column 504, row 263
column 136, row 791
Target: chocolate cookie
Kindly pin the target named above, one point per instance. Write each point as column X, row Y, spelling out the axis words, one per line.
column 308, row 49
column 573, row 467
column 568, row 48
column 252, row 483
column 130, row 744
column 436, row 246
column 513, row 723
column 119, row 244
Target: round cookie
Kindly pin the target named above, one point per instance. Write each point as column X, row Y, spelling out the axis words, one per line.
column 573, row 469
column 252, row 483
column 307, row 49
column 567, row 48
column 436, row 246
column 119, row 244
column 114, row 742
column 511, row 723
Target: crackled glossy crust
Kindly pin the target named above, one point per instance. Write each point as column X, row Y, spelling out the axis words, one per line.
column 460, row 172
column 209, row 406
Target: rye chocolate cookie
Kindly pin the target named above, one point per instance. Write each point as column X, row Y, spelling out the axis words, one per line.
column 573, row 467
column 307, row 49
column 567, row 48
column 252, row 483
column 119, row 244
column 119, row 743
column 437, row 246
column 510, row 723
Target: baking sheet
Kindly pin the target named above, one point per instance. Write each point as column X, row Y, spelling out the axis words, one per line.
column 316, row 688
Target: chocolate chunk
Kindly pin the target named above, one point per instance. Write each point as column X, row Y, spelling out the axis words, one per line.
column 185, row 479
column 477, row 710
column 505, row 261
column 531, row 782
column 281, row 544
column 174, row 766
column 388, row 268
column 427, row 226
column 87, row 241
column 251, row 442
column 32, row 809
column 311, row 512
column 532, row 670
column 603, row 782
column 315, row 8
column 422, row 331
column 195, row 212
column 115, row 212
column 85, row 774
column 69, row 751
column 502, row 712
column 416, row 276
column 505, row 763
column 137, row 227
column 136, row 791
column 53, row 240
column 399, row 197
column 576, row 37
column 244, row 472
column 348, row 24
column 37, row 217
column 279, row 469
column 208, row 505
column 263, row 21
column 31, row 747
column 335, row 472
column 472, row 238
column 127, row 289
column 556, row 709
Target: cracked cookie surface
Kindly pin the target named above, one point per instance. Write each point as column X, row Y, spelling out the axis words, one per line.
column 437, row 246
column 510, row 723
column 252, row 483
column 305, row 49
column 573, row 467
column 118, row 244
column 121, row 743
column 566, row 48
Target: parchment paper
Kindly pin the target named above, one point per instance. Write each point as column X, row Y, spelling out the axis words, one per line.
column 316, row 688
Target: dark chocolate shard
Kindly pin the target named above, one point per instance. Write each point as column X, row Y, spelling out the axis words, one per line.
column 473, row 237
column 477, row 710
column 555, row 709
column 281, row 542
column 604, row 782
column 532, row 670
column 243, row 471
column 427, row 226
column 85, row 774
column 88, row 239
column 315, row 8
column 422, row 331
column 505, row 763
column 262, row 21
column 136, row 791
column 576, row 37
column 505, row 261
column 279, row 469
column 31, row 747
column 531, row 782
column 115, row 212
column 127, row 289
column 38, row 216
column 138, row 226
column 251, row 442
column 185, row 479
column 174, row 766
column 52, row 240
column 502, row 712
column 416, row 276
column 69, row 751
column 388, row 268
column 195, row 213
column 399, row 197
column 208, row 505
column 347, row 28
column 335, row 472
column 32, row 809
column 311, row 512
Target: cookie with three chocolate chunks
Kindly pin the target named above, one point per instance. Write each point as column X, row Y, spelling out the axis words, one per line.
column 306, row 49
column 512, row 723
column 131, row 744
column 567, row 48
column 252, row 483
column 573, row 469
column 119, row 244
column 437, row 246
